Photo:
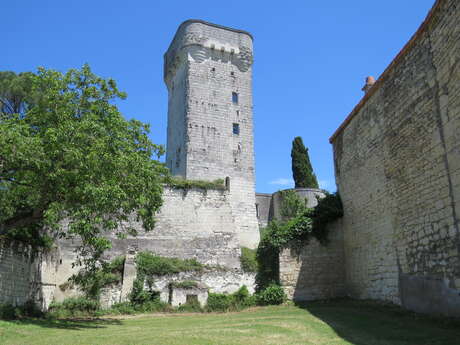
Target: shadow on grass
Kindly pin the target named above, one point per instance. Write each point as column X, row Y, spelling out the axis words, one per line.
column 372, row 323
column 73, row 323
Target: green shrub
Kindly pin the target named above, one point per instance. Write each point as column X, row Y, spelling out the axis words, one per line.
column 116, row 266
column 218, row 302
column 10, row 312
column 91, row 282
column 248, row 260
column 292, row 204
column 267, row 256
column 223, row 302
column 123, row 308
column 153, row 306
column 251, row 301
column 272, row 295
column 139, row 296
column 243, row 299
column 241, row 295
column 74, row 306
column 191, row 307
column 80, row 304
column 127, row 308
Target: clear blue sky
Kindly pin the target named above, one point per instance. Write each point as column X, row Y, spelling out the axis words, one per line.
column 311, row 58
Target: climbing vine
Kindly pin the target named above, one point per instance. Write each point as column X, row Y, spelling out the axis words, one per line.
column 148, row 265
column 302, row 224
column 181, row 183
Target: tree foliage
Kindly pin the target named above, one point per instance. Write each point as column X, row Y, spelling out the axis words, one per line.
column 15, row 92
column 70, row 164
column 91, row 282
column 302, row 171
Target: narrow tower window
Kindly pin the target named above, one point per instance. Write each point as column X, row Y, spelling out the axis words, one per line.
column 234, row 98
column 236, row 128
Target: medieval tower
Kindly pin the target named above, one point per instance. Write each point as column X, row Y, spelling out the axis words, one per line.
column 208, row 73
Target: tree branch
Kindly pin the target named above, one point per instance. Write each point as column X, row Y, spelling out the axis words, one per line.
column 7, row 104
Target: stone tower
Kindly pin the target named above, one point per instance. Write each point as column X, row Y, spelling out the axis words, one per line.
column 208, row 72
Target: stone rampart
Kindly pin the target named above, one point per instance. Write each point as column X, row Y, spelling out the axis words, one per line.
column 397, row 165
column 16, row 272
column 192, row 224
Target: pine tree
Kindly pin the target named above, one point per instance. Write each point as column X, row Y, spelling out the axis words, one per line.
column 302, row 171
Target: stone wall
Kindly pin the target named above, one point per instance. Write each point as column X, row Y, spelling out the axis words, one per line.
column 398, row 171
column 204, row 65
column 218, row 281
column 16, row 272
column 269, row 205
column 178, row 296
column 264, row 208
column 193, row 223
column 26, row 274
column 315, row 271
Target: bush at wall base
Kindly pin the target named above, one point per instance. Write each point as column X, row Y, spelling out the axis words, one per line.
column 10, row 312
column 272, row 295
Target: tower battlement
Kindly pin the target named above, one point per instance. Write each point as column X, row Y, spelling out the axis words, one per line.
column 207, row 38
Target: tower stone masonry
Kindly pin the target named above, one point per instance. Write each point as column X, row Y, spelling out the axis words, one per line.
column 208, row 73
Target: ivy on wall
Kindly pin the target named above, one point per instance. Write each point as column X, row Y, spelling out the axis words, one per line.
column 148, row 265
column 181, row 183
column 301, row 225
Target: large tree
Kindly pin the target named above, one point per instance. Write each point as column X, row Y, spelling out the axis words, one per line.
column 15, row 92
column 70, row 164
column 302, row 171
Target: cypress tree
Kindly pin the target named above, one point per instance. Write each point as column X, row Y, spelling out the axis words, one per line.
column 302, row 171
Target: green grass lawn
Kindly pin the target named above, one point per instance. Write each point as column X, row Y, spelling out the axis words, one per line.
column 334, row 322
